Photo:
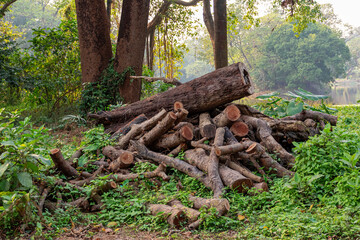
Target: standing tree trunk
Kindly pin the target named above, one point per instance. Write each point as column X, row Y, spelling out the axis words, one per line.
column 131, row 45
column 220, row 27
column 94, row 38
column 108, row 8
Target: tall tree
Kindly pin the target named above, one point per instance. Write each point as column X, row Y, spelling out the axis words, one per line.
column 220, row 30
column 131, row 45
column 94, row 38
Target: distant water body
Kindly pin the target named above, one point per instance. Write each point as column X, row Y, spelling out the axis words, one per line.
column 345, row 92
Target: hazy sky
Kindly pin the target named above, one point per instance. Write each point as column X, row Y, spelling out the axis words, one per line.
column 347, row 10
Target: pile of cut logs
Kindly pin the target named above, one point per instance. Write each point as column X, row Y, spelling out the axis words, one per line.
column 223, row 144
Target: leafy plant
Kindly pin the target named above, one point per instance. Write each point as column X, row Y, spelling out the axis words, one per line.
column 276, row 106
column 100, row 95
column 23, row 149
column 94, row 139
column 23, row 159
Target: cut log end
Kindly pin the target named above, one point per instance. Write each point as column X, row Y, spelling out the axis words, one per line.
column 241, row 185
column 240, row 129
column 187, row 133
column 178, row 106
column 232, row 113
column 217, row 151
column 54, row 151
column 177, row 218
column 172, row 115
column 252, row 148
column 127, row 158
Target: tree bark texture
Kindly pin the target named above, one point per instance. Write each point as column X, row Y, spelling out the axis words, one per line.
column 199, row 95
column 94, row 38
column 131, row 45
column 221, row 204
column 220, row 30
column 62, row 164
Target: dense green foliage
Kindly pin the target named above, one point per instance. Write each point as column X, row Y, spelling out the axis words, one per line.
column 100, row 95
column 46, row 75
column 311, row 61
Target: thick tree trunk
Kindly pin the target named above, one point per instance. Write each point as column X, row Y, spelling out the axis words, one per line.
column 94, row 38
column 131, row 45
column 199, row 95
column 220, row 27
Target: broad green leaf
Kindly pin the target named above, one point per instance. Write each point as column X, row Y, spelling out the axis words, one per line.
column 4, row 155
column 41, row 159
column 25, row 179
column 33, row 167
column 269, row 95
column 8, row 143
column 346, row 162
column 3, row 168
column 297, row 178
column 294, row 108
column 310, row 96
column 82, row 160
column 313, row 178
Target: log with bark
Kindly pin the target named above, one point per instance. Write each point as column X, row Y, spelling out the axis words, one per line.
column 211, row 90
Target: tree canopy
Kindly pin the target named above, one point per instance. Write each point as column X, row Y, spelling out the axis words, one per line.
column 311, row 60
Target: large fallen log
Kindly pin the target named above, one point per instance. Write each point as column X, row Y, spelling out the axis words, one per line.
column 199, row 95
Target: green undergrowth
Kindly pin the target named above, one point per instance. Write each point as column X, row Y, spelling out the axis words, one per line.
column 321, row 201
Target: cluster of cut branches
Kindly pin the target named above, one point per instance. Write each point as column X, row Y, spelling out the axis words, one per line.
column 229, row 147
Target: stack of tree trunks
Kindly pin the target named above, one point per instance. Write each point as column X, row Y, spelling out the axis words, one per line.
column 224, row 145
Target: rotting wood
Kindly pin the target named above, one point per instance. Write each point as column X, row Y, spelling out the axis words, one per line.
column 230, row 178
column 127, row 127
column 169, row 141
column 239, row 129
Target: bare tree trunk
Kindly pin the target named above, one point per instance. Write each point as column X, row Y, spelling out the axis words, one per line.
column 131, row 45
column 220, row 30
column 94, row 38
column 108, row 8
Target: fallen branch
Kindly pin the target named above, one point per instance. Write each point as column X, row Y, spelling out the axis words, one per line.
column 61, row 164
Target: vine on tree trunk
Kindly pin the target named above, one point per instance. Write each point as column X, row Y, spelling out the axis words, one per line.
column 97, row 96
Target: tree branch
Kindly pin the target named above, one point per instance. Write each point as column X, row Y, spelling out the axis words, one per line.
column 4, row 8
column 209, row 21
